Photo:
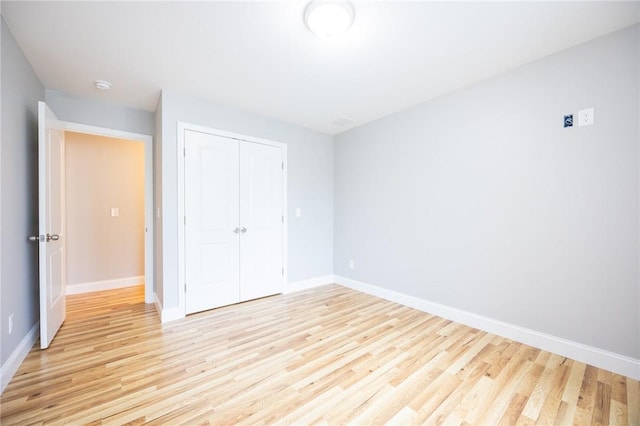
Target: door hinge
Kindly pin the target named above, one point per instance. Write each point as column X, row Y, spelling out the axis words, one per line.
column 282, row 165
column 282, row 219
column 184, row 151
column 283, row 272
column 185, row 287
column 185, row 220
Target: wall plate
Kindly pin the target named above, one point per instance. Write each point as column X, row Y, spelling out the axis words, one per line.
column 585, row 117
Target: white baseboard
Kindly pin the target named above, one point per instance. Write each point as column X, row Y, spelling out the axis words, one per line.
column 600, row 358
column 10, row 367
column 158, row 303
column 104, row 285
column 169, row 314
column 308, row 283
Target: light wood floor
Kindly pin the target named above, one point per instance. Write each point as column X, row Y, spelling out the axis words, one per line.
column 329, row 355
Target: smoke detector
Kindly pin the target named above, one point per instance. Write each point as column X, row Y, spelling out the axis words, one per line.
column 102, row 85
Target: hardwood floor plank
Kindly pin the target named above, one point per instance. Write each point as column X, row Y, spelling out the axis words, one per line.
column 513, row 411
column 567, row 409
column 494, row 403
column 633, row 401
column 551, row 406
column 328, row 355
column 618, row 413
column 602, row 405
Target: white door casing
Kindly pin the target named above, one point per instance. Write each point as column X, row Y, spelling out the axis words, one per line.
column 211, row 228
column 51, row 224
column 261, row 220
column 147, row 140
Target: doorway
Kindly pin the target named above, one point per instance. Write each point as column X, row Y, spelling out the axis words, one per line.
column 104, row 213
column 110, row 214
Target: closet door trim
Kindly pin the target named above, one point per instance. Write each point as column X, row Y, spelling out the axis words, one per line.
column 182, row 128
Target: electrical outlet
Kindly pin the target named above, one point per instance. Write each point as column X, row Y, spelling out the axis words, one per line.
column 10, row 323
column 585, row 117
column 352, row 264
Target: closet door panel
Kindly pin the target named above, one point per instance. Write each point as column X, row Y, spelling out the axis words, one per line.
column 261, row 201
column 212, row 259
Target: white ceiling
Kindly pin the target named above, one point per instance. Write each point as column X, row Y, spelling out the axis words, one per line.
column 259, row 56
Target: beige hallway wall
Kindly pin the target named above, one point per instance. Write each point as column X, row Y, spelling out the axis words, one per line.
column 104, row 173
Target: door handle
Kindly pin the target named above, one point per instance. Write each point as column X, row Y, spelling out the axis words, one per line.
column 243, row 230
column 53, row 237
column 236, row 230
column 35, row 238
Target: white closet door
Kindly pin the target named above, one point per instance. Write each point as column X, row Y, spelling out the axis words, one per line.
column 261, row 240
column 212, row 230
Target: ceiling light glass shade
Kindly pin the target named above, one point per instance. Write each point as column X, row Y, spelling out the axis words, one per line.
column 328, row 18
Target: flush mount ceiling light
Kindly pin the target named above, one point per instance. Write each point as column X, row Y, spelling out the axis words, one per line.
column 102, row 85
column 328, row 18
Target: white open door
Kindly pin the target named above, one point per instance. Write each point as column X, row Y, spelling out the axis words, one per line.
column 51, row 224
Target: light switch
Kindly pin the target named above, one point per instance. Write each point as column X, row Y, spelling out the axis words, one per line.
column 115, row 212
column 298, row 212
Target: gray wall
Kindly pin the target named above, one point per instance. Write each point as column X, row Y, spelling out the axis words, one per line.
column 482, row 201
column 100, row 113
column 21, row 91
column 310, row 160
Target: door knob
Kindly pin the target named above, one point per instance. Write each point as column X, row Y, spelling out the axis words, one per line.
column 243, row 230
column 53, row 237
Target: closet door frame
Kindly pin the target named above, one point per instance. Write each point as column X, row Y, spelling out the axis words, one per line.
column 182, row 128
